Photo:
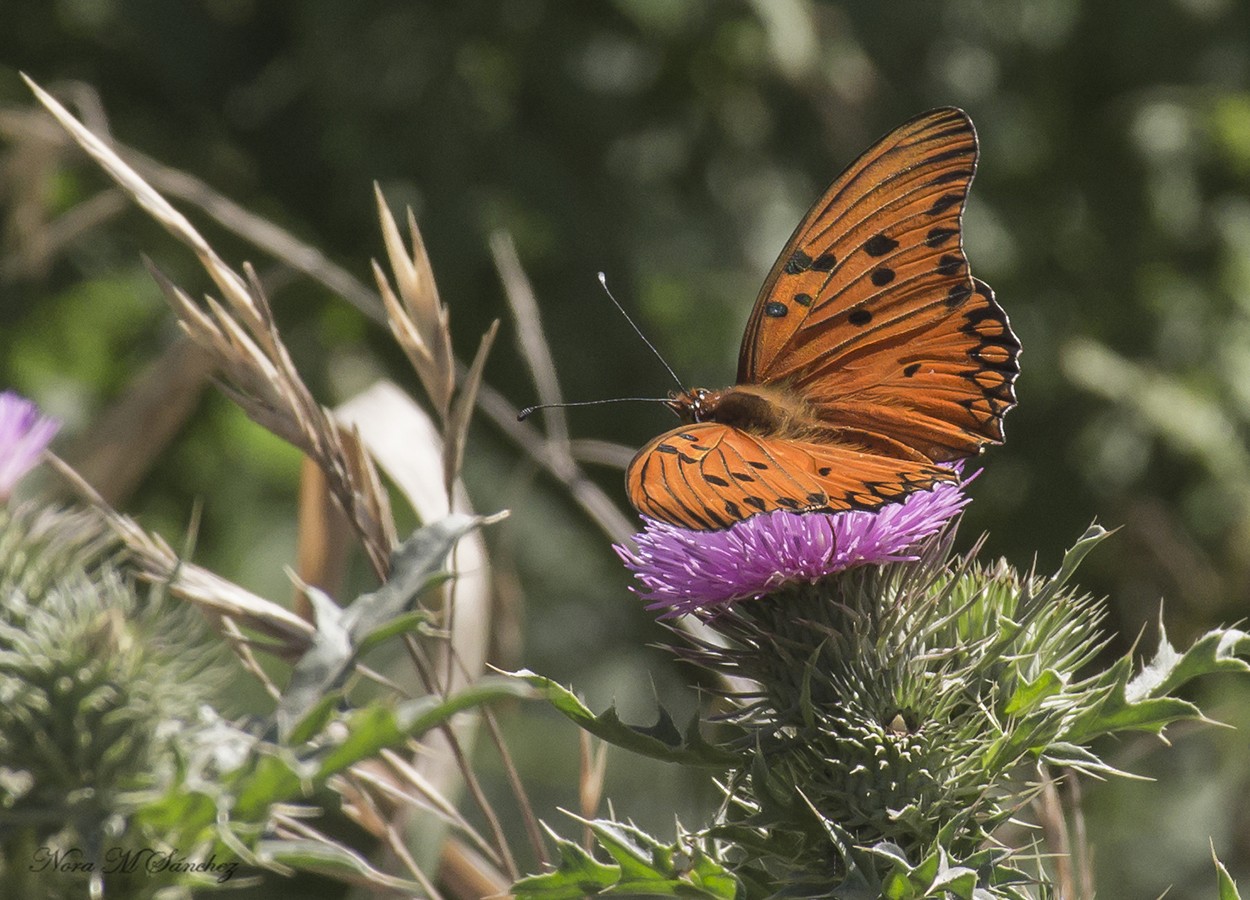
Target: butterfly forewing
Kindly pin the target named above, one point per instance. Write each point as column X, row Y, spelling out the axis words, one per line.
column 885, row 230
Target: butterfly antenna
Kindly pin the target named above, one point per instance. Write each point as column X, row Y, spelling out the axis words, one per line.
column 529, row 410
column 603, row 280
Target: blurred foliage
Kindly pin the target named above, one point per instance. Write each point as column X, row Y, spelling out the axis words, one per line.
column 674, row 145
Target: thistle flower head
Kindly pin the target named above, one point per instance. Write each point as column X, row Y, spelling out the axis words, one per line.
column 24, row 433
column 886, row 707
column 682, row 571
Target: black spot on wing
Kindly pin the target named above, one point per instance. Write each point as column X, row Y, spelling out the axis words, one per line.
column 757, row 502
column 939, row 236
column 943, row 203
column 675, row 511
column 859, row 317
column 909, row 371
column 949, row 264
column 882, row 275
column 879, row 245
column 803, row 299
column 798, row 262
column 825, row 262
column 775, row 310
column 715, row 479
column 957, row 295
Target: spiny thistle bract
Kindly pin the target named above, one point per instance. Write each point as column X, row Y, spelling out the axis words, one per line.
column 96, row 681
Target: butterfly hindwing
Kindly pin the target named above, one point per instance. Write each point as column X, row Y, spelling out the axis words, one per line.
column 710, row 475
column 942, row 390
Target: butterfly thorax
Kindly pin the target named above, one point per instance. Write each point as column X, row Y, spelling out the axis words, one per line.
column 753, row 408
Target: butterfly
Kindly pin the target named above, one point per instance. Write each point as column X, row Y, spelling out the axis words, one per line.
column 872, row 358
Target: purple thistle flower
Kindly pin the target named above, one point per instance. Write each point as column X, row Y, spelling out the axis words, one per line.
column 24, row 433
column 682, row 570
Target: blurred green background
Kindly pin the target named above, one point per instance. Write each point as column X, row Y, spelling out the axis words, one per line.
column 674, row 145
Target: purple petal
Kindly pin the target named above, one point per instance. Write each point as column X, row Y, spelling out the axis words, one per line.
column 683, row 570
column 24, row 433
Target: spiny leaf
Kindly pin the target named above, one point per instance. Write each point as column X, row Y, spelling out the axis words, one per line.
column 1228, row 887
column 1220, row 650
column 642, row 866
column 659, row 741
column 373, row 729
column 1093, row 536
column 1142, row 703
column 650, row 867
column 278, row 773
column 578, row 875
column 1029, row 695
column 342, row 634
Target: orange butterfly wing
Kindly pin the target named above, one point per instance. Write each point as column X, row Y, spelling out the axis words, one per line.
column 870, row 313
column 870, row 318
column 710, row 475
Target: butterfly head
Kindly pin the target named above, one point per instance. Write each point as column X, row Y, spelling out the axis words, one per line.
column 695, row 405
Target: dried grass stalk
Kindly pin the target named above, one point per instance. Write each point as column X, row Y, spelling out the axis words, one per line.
column 257, row 370
column 156, row 562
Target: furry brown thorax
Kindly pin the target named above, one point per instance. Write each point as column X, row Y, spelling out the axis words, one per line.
column 776, row 412
column 765, row 411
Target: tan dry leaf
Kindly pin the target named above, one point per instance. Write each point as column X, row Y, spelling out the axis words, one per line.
column 457, row 427
column 242, row 336
column 530, row 336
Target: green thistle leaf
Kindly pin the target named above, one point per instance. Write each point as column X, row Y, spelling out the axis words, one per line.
column 1228, row 887
column 375, row 728
column 642, row 867
column 660, row 741
column 1029, row 695
column 579, row 874
column 343, row 634
column 1141, row 702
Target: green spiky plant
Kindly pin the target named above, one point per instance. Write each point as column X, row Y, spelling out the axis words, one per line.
column 888, row 721
column 99, row 682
